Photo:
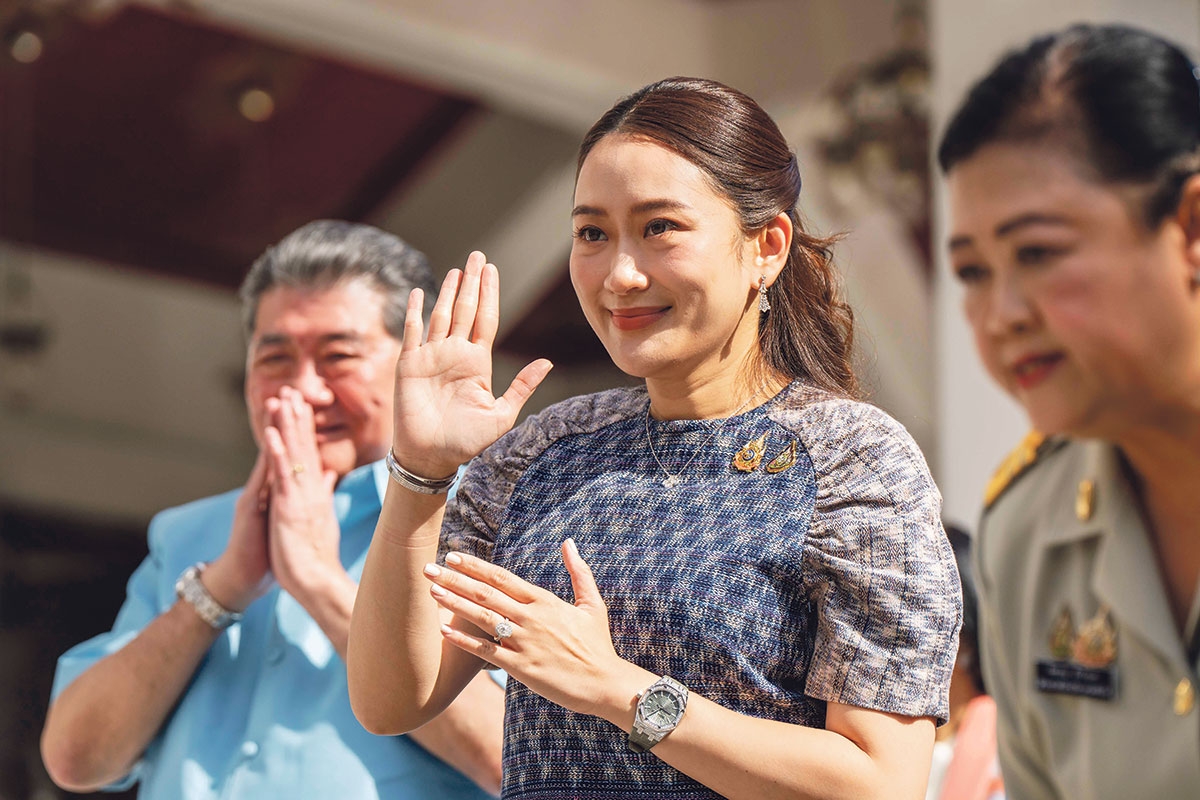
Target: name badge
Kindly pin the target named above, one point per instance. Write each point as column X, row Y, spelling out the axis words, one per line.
column 1064, row 677
column 1082, row 662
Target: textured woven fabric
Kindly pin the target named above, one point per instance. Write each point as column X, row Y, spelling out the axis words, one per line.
column 770, row 594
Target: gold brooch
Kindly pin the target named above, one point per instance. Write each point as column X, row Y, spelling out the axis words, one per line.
column 750, row 456
column 1062, row 635
column 784, row 461
column 1096, row 643
column 1093, row 645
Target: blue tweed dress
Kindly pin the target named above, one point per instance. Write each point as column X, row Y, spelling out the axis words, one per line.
column 770, row 593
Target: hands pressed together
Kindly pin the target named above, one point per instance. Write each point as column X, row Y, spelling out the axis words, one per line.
column 284, row 524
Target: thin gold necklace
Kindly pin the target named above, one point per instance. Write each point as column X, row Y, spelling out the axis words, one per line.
column 672, row 479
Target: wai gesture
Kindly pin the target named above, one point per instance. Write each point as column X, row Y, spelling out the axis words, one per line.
column 446, row 412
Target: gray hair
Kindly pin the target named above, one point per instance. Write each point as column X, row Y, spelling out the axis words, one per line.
column 327, row 252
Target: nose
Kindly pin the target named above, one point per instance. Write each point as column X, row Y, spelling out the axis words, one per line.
column 312, row 385
column 624, row 276
column 1009, row 310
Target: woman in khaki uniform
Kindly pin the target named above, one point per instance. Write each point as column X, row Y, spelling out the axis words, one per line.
column 1075, row 195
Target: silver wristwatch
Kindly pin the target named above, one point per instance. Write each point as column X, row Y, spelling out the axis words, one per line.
column 659, row 710
column 190, row 589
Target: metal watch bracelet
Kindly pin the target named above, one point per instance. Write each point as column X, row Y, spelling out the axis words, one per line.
column 646, row 733
column 414, row 482
column 192, row 590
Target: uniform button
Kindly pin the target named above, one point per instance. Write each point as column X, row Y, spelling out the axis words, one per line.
column 1185, row 697
column 249, row 749
column 274, row 655
column 1085, row 500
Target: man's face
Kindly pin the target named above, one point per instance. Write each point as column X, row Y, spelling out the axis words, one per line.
column 331, row 346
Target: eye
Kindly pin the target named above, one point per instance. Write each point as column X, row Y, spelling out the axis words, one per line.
column 971, row 274
column 657, row 227
column 1034, row 255
column 338, row 362
column 589, row 233
column 272, row 359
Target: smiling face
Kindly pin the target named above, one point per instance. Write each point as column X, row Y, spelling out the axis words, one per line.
column 664, row 274
column 330, row 345
column 1078, row 310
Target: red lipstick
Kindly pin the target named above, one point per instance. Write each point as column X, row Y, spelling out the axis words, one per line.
column 1032, row 370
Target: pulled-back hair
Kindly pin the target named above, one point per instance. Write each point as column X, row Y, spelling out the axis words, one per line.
column 808, row 333
column 327, row 252
column 1126, row 100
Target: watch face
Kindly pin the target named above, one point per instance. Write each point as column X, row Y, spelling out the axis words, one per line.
column 661, row 708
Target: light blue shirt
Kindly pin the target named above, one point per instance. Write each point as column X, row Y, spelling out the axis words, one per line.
column 268, row 712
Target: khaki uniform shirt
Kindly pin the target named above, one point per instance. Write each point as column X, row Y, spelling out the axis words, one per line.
column 1096, row 688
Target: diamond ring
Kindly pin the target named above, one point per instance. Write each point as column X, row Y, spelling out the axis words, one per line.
column 297, row 468
column 503, row 630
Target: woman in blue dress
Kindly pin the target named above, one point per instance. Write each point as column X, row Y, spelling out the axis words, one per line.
column 731, row 581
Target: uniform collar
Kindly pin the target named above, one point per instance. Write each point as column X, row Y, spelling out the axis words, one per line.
column 1125, row 573
column 1101, row 463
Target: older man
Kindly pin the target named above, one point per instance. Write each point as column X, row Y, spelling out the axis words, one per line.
column 224, row 673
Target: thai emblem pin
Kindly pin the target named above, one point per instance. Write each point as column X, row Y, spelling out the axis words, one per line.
column 784, row 461
column 1096, row 643
column 750, row 456
column 1081, row 661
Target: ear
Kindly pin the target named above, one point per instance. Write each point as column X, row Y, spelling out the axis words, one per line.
column 772, row 245
column 1187, row 215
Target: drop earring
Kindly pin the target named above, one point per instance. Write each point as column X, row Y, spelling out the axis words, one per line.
column 764, row 305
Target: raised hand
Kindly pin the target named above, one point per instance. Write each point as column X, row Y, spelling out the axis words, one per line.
column 446, row 412
column 561, row 651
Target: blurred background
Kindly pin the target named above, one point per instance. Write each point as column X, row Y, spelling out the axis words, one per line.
column 150, row 150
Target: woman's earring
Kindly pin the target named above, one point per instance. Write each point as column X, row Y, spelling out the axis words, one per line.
column 764, row 305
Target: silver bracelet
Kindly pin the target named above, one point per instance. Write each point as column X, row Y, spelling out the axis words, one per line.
column 414, row 482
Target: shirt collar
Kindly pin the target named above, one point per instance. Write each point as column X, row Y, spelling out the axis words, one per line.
column 363, row 486
column 1125, row 572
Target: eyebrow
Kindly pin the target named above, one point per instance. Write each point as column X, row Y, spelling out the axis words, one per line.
column 279, row 339
column 1011, row 226
column 638, row 208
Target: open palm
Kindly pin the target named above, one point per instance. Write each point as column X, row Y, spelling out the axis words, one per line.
column 446, row 411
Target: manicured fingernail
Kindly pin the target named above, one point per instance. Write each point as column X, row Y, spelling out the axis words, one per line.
column 432, row 570
column 437, row 591
column 447, row 630
column 454, row 558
